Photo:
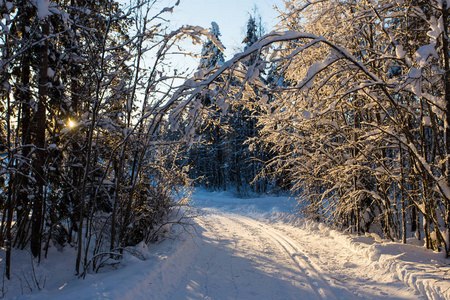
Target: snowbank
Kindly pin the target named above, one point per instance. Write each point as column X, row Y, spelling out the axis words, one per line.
column 424, row 270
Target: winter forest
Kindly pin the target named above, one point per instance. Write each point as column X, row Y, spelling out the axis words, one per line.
column 344, row 106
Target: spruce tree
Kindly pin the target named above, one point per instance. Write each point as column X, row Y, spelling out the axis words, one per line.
column 208, row 157
column 244, row 164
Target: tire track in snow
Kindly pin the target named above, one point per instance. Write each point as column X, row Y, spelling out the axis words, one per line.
column 253, row 226
column 256, row 271
column 318, row 284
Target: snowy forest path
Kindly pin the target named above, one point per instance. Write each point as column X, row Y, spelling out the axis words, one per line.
column 250, row 249
column 243, row 258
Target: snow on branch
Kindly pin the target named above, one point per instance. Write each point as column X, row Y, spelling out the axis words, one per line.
column 194, row 85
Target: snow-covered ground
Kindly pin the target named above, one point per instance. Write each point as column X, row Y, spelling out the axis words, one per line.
column 249, row 249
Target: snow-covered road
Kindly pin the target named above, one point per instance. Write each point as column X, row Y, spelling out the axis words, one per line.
column 254, row 249
column 243, row 258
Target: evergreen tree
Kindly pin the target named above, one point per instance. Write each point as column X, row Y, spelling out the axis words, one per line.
column 245, row 163
column 208, row 157
column 212, row 55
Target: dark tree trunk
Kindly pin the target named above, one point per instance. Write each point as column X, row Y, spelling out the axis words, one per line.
column 445, row 46
column 39, row 162
column 25, row 122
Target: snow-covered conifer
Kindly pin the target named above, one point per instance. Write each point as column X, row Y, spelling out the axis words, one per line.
column 212, row 54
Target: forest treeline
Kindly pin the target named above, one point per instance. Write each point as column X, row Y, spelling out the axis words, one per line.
column 347, row 104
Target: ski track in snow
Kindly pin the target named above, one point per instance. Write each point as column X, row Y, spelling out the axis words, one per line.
column 317, row 283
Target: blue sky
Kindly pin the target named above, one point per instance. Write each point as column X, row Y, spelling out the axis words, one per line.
column 230, row 15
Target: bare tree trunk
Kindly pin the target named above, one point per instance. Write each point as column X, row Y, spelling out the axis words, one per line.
column 8, row 208
column 37, row 218
column 89, row 147
column 445, row 46
column 9, row 203
column 116, row 200
column 402, row 195
column 77, row 160
column 25, row 124
column 22, row 200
